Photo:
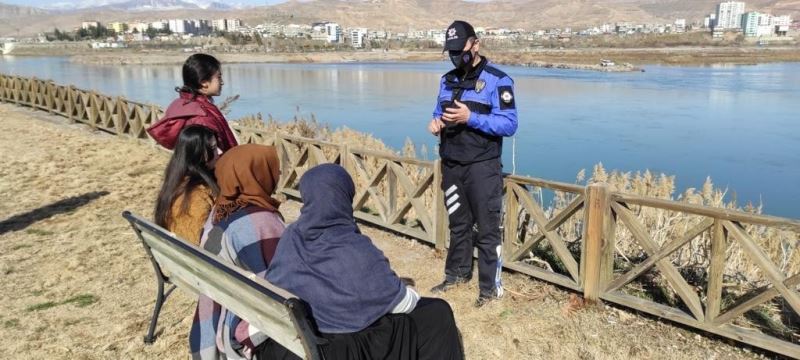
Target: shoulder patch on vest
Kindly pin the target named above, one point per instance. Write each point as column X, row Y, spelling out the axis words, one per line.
column 506, row 95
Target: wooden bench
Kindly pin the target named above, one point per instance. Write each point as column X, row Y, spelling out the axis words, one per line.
column 276, row 312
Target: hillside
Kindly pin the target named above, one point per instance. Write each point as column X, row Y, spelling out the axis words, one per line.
column 13, row 11
column 396, row 15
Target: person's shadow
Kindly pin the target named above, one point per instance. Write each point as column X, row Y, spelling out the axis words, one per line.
column 21, row 221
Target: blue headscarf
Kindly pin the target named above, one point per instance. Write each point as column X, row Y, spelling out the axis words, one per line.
column 324, row 259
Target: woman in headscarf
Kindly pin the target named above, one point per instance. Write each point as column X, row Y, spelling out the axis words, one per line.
column 360, row 305
column 243, row 229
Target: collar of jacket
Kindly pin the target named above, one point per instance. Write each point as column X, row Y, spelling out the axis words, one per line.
column 453, row 79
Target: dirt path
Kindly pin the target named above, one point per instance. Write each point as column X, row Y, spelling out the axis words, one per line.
column 76, row 283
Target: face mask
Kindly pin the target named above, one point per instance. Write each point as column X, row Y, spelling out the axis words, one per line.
column 463, row 59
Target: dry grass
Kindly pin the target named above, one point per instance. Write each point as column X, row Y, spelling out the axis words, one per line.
column 692, row 260
column 90, row 250
column 647, row 55
column 741, row 275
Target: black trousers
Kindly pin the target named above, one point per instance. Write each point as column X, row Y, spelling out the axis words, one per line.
column 474, row 200
column 429, row 332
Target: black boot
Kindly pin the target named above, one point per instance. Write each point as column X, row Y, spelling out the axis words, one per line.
column 448, row 284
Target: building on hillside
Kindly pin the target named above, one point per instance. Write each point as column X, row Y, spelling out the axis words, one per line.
column 782, row 20
column 89, row 24
column 178, row 26
column 381, row 34
column 756, row 24
column 334, row 32
column 358, row 36
column 118, row 27
column 201, row 26
column 295, row 30
column 138, row 27
column 781, row 25
column 219, row 25
column 438, row 37
column 319, row 36
column 680, row 25
column 318, row 26
column 233, row 24
column 160, row 25
column 729, row 15
column 710, row 21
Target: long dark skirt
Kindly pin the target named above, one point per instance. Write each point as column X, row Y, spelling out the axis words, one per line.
column 428, row 332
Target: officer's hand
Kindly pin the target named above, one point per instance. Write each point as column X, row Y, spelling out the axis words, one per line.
column 435, row 126
column 459, row 115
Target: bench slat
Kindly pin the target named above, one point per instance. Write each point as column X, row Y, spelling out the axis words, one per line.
column 263, row 309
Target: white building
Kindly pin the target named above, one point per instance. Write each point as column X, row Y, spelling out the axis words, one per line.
column 233, row 24
column 710, row 21
column 201, row 27
column 782, row 24
column 87, row 24
column 334, row 32
column 294, row 30
column 756, row 24
column 218, row 25
column 178, row 26
column 380, row 34
column 680, row 25
column 729, row 15
column 160, row 25
column 138, row 27
column 439, row 38
column 784, row 20
column 357, row 37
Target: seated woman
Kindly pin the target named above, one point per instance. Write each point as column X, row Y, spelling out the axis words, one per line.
column 188, row 191
column 359, row 304
column 243, row 229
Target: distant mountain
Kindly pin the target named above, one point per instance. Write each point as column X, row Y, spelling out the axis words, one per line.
column 172, row 5
column 141, row 5
column 424, row 14
column 13, row 11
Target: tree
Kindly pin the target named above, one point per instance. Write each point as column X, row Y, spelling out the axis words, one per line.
column 151, row 32
column 59, row 36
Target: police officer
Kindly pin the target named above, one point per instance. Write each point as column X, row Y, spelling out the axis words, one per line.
column 474, row 111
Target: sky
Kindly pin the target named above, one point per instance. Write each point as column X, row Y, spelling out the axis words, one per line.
column 44, row 3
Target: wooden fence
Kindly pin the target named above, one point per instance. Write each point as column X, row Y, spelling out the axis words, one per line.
column 581, row 236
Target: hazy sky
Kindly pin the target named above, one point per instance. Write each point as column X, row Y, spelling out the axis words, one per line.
column 49, row 2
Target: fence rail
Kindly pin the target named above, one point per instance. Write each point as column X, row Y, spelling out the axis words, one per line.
column 580, row 237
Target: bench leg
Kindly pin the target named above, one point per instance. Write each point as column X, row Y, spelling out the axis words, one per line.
column 160, row 297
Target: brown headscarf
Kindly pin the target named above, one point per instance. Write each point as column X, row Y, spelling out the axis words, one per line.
column 246, row 175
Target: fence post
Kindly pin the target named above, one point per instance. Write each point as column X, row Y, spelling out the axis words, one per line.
column 283, row 158
column 121, row 116
column 391, row 189
column 17, row 90
column 93, row 111
column 49, row 98
column 345, row 161
column 70, row 104
column 716, row 271
column 511, row 220
column 597, row 247
column 439, row 211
